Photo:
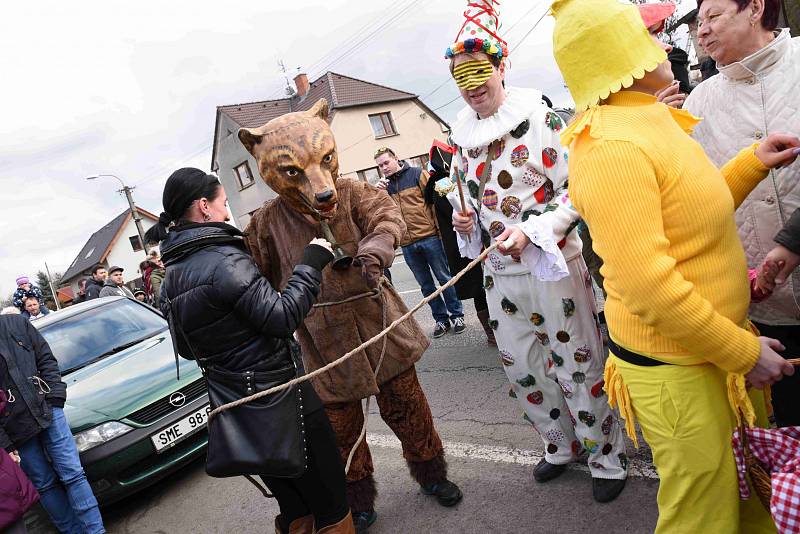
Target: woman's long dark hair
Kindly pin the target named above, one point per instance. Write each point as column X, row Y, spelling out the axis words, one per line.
column 183, row 187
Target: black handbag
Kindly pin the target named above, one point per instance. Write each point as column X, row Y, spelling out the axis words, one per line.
column 263, row 437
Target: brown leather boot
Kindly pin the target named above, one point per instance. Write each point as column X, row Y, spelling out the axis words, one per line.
column 302, row 525
column 345, row 526
column 483, row 317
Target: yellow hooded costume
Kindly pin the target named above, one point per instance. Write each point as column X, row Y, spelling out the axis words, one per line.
column 661, row 217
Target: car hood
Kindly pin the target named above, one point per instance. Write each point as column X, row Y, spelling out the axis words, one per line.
column 111, row 389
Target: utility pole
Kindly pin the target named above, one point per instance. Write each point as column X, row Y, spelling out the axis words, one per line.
column 52, row 287
column 137, row 219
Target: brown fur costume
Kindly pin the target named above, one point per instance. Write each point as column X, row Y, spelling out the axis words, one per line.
column 297, row 158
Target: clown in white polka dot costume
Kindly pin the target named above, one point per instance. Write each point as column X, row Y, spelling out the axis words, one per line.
column 513, row 171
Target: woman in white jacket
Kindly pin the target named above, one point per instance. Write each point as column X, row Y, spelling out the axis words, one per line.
column 755, row 94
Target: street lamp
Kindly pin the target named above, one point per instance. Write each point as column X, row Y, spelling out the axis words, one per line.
column 137, row 219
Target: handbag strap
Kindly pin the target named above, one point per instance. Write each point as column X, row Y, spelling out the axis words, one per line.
column 171, row 323
column 176, row 327
column 264, row 491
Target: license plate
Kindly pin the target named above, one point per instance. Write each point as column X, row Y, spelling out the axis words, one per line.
column 180, row 430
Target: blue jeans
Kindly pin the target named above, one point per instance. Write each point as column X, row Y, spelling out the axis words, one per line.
column 51, row 461
column 427, row 255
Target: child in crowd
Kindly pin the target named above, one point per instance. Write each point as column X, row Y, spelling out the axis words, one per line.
column 26, row 289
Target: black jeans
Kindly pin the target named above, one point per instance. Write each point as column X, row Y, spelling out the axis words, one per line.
column 786, row 393
column 321, row 489
column 480, row 301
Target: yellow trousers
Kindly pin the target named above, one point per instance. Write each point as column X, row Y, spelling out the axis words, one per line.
column 686, row 419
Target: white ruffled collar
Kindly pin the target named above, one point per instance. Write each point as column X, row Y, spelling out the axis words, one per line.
column 471, row 132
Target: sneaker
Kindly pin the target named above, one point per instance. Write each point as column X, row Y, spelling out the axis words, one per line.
column 458, row 325
column 446, row 493
column 606, row 489
column 363, row 520
column 441, row 329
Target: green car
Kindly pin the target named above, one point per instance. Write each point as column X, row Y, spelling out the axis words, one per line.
column 134, row 423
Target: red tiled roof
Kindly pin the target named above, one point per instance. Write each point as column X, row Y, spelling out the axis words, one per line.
column 340, row 91
column 65, row 294
column 255, row 114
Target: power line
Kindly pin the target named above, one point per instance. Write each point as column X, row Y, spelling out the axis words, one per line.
column 505, row 33
column 355, row 46
column 520, row 20
column 159, row 172
column 347, row 43
column 529, row 32
column 448, row 103
column 546, row 11
column 350, row 48
column 381, row 18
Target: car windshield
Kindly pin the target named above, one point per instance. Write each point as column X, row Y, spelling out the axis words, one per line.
column 86, row 337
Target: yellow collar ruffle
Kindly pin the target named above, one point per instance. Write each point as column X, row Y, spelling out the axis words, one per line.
column 592, row 118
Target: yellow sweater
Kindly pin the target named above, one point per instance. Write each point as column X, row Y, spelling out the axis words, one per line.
column 661, row 217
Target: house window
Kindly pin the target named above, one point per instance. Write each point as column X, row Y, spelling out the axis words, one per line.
column 419, row 161
column 244, row 175
column 136, row 243
column 370, row 175
column 382, row 125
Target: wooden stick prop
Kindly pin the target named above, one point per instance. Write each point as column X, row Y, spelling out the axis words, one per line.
column 454, row 172
column 794, row 361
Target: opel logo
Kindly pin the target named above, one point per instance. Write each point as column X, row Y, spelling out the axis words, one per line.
column 177, row 399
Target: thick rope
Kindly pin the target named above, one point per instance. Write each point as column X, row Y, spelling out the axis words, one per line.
column 374, row 292
column 363, row 432
column 364, row 345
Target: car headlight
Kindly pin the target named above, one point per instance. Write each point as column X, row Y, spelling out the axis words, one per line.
column 100, row 434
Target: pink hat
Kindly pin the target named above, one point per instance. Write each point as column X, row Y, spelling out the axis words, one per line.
column 653, row 14
column 22, row 280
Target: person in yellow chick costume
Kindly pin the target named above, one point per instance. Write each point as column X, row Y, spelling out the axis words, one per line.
column 661, row 215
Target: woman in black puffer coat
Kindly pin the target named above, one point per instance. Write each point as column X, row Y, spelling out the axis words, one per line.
column 234, row 321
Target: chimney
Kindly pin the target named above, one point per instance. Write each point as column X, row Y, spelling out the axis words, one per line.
column 301, row 82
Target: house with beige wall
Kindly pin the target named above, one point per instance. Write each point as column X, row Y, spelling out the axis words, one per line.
column 364, row 116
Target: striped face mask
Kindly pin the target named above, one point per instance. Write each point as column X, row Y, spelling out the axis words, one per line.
column 472, row 74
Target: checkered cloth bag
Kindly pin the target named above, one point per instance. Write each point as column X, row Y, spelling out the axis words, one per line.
column 778, row 451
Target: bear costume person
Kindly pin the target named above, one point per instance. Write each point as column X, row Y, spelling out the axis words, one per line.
column 296, row 155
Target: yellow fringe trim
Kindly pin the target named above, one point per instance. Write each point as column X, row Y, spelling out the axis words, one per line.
column 619, row 397
column 740, row 400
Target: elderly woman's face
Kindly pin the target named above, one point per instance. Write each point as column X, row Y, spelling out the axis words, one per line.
column 725, row 32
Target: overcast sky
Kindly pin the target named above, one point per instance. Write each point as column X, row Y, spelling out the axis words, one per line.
column 130, row 88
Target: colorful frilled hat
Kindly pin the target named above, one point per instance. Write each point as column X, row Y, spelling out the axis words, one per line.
column 601, row 46
column 480, row 31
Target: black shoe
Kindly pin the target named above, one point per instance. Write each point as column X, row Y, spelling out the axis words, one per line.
column 458, row 325
column 545, row 471
column 363, row 520
column 447, row 493
column 607, row 489
column 441, row 329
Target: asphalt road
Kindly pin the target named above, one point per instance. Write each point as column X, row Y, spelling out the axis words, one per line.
column 490, row 449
